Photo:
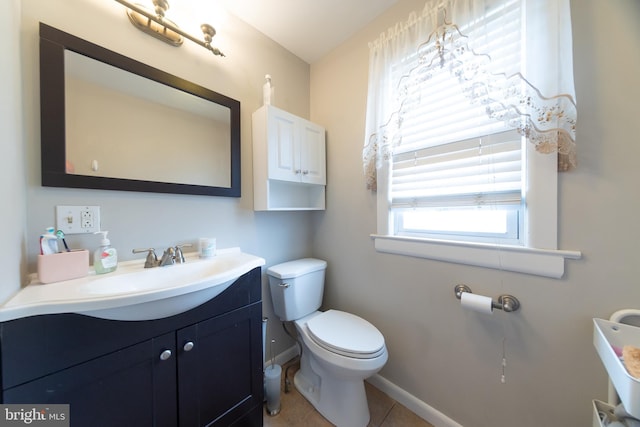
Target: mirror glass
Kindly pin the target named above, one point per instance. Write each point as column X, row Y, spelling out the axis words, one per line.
column 116, row 127
column 111, row 122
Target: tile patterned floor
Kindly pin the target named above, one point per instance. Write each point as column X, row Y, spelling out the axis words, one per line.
column 297, row 411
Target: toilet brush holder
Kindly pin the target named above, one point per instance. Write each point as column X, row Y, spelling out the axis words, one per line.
column 272, row 375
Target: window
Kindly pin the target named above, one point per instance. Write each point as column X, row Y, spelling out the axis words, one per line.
column 457, row 177
column 458, row 173
column 467, row 190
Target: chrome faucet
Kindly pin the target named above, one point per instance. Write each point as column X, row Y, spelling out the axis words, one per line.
column 168, row 257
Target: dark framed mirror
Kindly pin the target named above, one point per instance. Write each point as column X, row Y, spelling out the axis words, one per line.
column 110, row 122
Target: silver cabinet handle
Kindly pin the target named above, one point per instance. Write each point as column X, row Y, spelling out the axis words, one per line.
column 165, row 355
column 188, row 346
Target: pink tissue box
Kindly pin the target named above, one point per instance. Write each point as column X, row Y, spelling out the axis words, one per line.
column 63, row 266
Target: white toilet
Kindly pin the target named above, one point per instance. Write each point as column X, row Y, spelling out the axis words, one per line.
column 339, row 350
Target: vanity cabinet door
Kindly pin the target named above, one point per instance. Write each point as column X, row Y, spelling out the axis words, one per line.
column 220, row 369
column 131, row 387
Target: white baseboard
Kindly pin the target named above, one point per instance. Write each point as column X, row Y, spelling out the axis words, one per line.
column 415, row 405
column 285, row 356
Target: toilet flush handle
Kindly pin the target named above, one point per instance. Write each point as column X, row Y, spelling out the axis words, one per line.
column 284, row 285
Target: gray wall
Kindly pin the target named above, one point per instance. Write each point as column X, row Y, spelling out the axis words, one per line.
column 450, row 358
column 12, row 180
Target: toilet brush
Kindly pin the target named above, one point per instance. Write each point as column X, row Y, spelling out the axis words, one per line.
column 272, row 385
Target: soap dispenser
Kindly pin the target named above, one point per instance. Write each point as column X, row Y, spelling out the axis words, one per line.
column 105, row 258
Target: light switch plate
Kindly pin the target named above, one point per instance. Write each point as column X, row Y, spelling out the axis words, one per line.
column 78, row 219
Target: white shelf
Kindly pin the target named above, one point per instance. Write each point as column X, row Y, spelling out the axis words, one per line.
column 289, row 196
column 606, row 335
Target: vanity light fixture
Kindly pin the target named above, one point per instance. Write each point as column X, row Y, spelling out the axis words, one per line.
column 164, row 29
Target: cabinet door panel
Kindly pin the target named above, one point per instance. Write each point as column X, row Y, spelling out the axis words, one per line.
column 220, row 378
column 283, row 160
column 165, row 393
column 313, row 154
column 123, row 388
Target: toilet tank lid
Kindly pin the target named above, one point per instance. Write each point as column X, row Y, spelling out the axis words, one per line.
column 296, row 268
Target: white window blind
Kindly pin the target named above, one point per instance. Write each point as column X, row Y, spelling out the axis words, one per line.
column 464, row 173
column 451, row 152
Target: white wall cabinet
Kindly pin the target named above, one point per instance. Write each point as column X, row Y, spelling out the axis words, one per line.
column 289, row 161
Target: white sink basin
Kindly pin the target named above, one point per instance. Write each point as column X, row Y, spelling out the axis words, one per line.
column 133, row 292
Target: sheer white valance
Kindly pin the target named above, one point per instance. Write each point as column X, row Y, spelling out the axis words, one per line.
column 512, row 57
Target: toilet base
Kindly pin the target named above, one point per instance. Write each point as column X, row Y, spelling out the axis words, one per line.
column 342, row 402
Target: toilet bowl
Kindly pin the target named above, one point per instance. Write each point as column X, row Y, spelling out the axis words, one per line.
column 333, row 381
column 339, row 349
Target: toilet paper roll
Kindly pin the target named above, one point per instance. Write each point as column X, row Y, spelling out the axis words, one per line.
column 478, row 303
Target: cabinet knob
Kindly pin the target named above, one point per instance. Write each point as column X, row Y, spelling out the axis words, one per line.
column 297, row 171
column 305, row 172
column 188, row 346
column 165, row 355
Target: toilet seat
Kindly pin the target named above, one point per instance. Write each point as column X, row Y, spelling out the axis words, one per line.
column 346, row 334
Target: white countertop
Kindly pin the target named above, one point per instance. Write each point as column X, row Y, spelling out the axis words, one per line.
column 134, row 289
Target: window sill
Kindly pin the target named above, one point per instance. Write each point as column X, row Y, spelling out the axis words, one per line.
column 539, row 262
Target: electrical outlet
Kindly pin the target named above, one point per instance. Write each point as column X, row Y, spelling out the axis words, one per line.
column 86, row 218
column 78, row 219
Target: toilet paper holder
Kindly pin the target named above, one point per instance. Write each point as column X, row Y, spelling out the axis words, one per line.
column 505, row 302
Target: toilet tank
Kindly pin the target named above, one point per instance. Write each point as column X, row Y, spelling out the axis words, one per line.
column 297, row 287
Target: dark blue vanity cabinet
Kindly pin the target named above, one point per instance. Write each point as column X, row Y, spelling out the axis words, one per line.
column 198, row 368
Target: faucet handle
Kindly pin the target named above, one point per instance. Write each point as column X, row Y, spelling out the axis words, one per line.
column 152, row 258
column 179, row 256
